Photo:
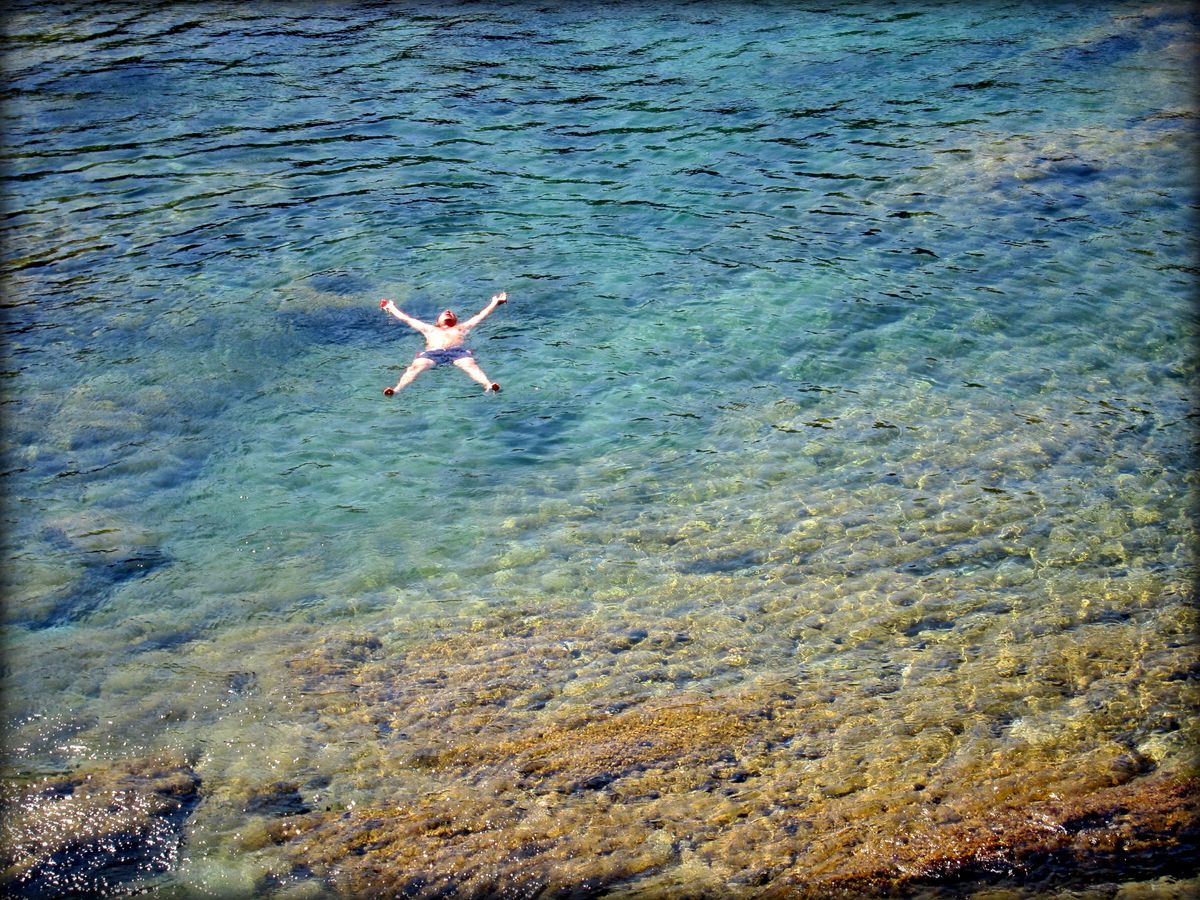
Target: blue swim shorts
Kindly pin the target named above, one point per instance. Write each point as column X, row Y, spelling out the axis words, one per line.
column 448, row 355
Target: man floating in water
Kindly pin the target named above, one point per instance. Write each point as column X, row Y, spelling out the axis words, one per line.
column 444, row 343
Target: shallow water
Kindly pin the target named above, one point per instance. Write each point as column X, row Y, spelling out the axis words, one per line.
column 849, row 359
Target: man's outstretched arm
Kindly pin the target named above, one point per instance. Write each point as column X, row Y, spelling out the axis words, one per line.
column 496, row 300
column 389, row 307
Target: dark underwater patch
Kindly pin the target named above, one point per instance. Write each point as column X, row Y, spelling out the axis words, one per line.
column 339, row 324
column 722, row 565
column 960, row 557
column 338, row 282
column 1105, row 51
column 97, row 584
column 168, row 641
column 282, row 798
column 539, row 436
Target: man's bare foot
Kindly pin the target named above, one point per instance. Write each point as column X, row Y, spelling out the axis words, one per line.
column 387, row 392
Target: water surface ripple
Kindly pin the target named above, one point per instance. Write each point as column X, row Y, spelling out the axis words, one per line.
column 835, row 511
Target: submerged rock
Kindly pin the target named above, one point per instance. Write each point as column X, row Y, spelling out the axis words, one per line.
column 775, row 788
column 279, row 799
column 1142, row 829
column 700, row 841
column 87, row 833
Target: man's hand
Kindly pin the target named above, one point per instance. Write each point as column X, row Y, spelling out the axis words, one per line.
column 499, row 298
column 384, row 304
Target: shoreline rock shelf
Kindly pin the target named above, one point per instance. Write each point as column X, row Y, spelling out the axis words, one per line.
column 771, row 787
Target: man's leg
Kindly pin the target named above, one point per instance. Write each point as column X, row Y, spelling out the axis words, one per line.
column 418, row 366
column 471, row 367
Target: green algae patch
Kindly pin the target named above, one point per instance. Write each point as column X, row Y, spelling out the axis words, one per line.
column 100, row 827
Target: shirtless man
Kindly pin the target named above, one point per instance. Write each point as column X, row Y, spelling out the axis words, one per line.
column 444, row 343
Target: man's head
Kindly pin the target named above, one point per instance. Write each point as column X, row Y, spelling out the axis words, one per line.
column 447, row 319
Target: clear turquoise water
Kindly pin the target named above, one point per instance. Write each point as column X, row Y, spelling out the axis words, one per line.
column 880, row 313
